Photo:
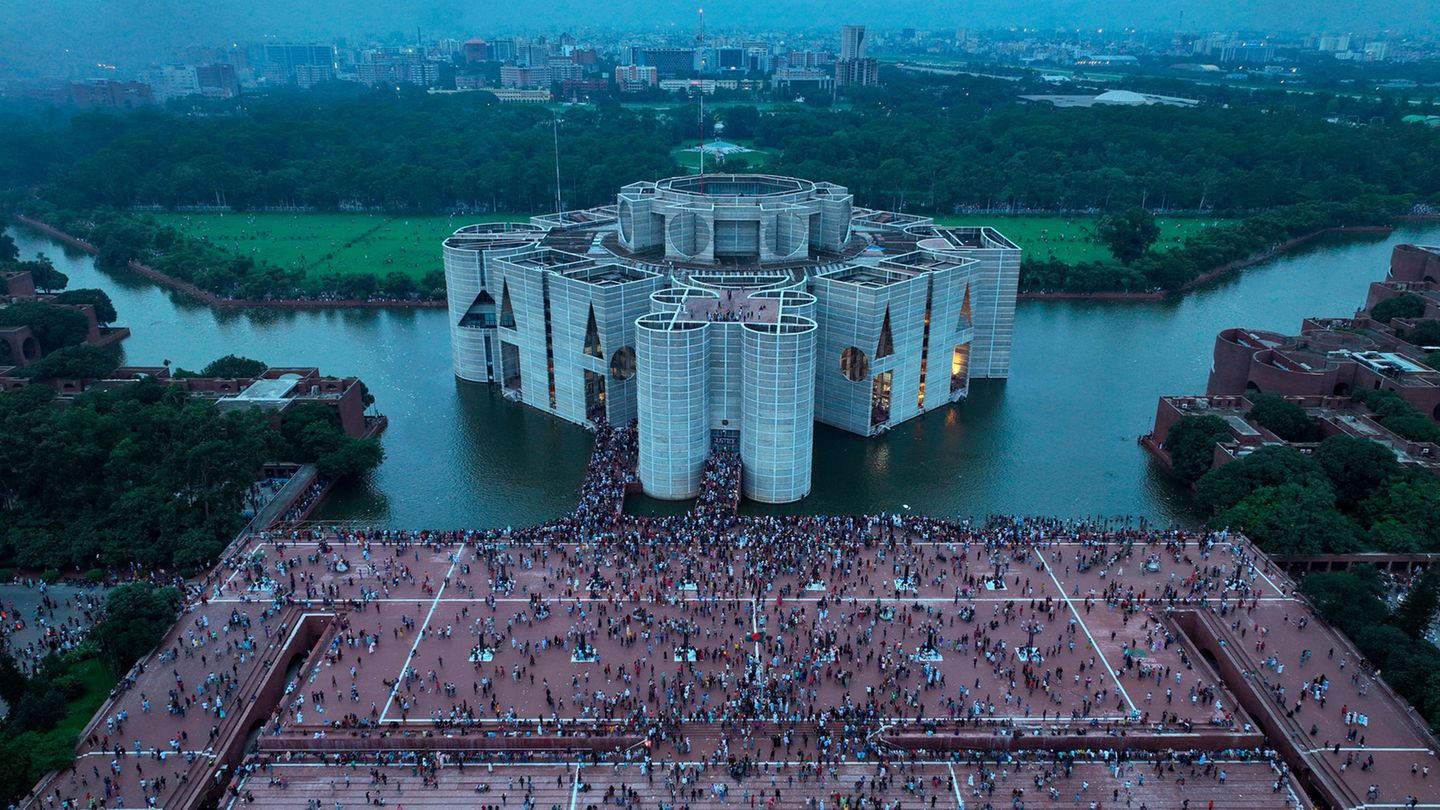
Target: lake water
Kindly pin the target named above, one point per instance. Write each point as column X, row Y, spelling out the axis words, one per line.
column 1058, row 438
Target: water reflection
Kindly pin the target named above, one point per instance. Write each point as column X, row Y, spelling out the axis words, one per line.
column 1057, row 438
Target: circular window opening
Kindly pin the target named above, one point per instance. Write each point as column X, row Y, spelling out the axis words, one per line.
column 854, row 364
column 30, row 348
column 622, row 363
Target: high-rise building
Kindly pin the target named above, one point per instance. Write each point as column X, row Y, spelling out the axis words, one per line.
column 217, row 80
column 635, row 78
column 852, row 42
column 475, row 50
column 283, row 59
column 857, row 72
column 731, row 310
column 852, row 68
column 523, row 77
column 670, row 63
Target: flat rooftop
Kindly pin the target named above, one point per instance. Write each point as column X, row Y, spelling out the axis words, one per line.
column 739, row 306
column 608, row 275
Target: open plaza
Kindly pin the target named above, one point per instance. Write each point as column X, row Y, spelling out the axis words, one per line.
column 710, row 659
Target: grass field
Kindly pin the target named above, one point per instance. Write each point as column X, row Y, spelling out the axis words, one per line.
column 1073, row 239
column 321, row 244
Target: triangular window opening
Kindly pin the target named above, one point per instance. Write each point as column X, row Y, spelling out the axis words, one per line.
column 887, row 342
column 481, row 313
column 507, row 310
column 592, row 336
column 967, row 318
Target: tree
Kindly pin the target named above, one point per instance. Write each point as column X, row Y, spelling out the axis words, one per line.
column 398, row 285
column 9, row 252
column 104, row 309
column 1416, row 612
column 1268, row 466
column 1404, row 514
column 350, row 457
column 82, row 362
column 1283, row 418
column 1291, row 519
column 13, row 681
column 1129, row 234
column 137, row 615
column 1191, row 444
column 55, row 327
column 432, row 285
column 46, row 277
column 232, row 367
column 1405, row 305
column 1356, row 467
column 1424, row 333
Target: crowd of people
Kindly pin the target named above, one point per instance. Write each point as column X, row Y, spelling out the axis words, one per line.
column 722, row 641
column 51, row 622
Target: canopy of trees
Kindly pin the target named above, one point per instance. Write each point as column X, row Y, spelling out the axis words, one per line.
column 1130, row 233
column 104, row 308
column 137, row 615
column 83, row 362
column 1405, row 305
column 232, row 367
column 55, row 327
column 940, row 146
column 143, row 474
column 1393, row 640
column 1191, row 444
column 1283, row 418
column 1350, row 495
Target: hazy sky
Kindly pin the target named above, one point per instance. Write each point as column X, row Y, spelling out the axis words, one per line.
column 31, row 29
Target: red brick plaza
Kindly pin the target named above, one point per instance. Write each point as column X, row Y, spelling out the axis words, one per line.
column 717, row 660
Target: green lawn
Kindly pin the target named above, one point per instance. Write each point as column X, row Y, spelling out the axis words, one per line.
column 1073, row 239
column 98, row 684
column 321, row 244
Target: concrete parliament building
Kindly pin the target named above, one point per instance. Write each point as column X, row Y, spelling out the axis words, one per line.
column 735, row 311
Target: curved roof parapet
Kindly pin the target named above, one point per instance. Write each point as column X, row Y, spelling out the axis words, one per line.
column 494, row 235
column 672, row 296
column 1325, row 340
column 742, row 280
column 786, row 298
column 735, row 186
column 784, row 325
column 1252, row 338
column 666, row 322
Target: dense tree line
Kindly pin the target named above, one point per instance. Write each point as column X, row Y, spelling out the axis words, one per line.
column 1208, row 249
column 1394, row 639
column 144, row 474
column 50, row 706
column 336, row 147
column 928, row 145
column 1348, row 494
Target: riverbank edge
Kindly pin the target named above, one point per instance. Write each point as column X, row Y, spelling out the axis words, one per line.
column 212, row 299
column 297, row 303
column 1211, row 274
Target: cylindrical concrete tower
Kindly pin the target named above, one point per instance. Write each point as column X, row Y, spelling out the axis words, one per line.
column 778, row 409
column 673, row 373
column 474, row 349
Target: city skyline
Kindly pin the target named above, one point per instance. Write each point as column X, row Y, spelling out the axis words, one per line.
column 81, row 30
